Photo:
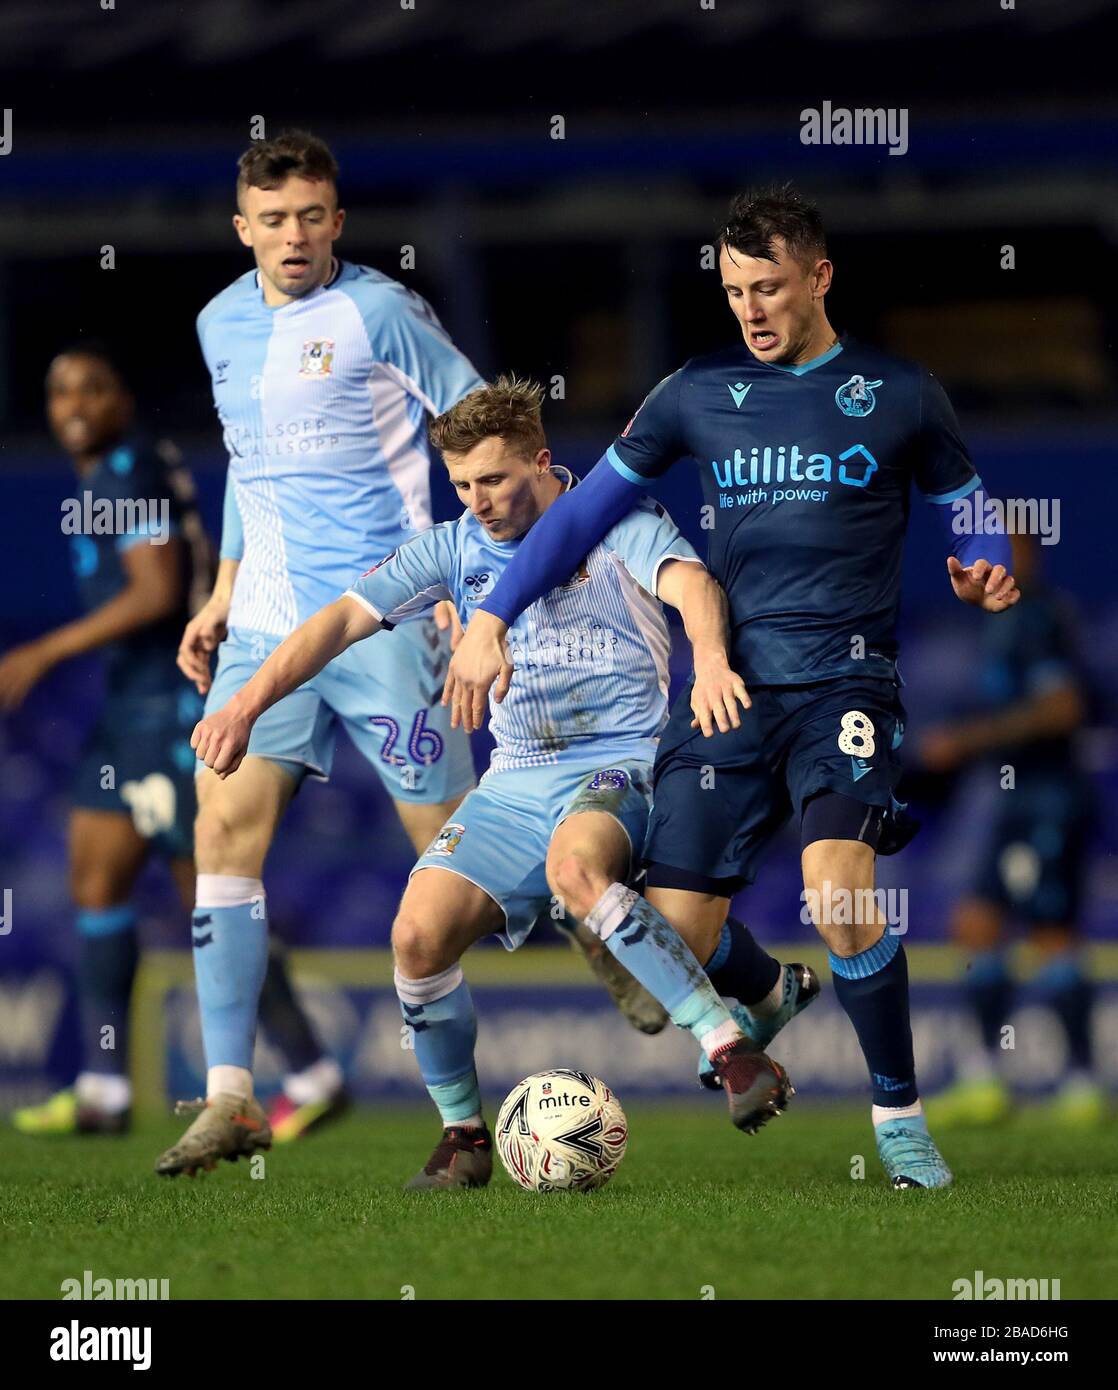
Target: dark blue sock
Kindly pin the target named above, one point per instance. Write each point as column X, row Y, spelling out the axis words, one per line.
column 989, row 991
column 739, row 968
column 281, row 1016
column 1062, row 985
column 873, row 989
column 106, row 970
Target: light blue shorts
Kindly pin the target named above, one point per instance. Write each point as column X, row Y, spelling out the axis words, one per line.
column 498, row 838
column 385, row 690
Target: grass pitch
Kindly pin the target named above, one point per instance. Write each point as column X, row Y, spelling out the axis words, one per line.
column 694, row 1207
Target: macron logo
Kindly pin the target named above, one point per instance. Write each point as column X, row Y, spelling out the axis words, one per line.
column 739, row 392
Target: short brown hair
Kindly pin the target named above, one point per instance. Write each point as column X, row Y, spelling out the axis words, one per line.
column 509, row 408
column 269, row 163
column 756, row 218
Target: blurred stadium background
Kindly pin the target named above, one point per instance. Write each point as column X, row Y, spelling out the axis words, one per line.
column 577, row 261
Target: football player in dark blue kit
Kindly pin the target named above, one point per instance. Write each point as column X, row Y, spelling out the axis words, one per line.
column 1030, row 703
column 136, row 544
column 807, row 445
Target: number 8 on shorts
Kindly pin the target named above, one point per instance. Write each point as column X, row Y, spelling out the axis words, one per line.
column 856, row 734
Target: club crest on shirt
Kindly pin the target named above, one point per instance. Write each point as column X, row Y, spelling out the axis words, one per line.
column 855, row 397
column 318, row 357
column 448, row 839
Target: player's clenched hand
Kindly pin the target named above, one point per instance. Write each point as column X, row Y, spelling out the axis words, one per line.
column 482, row 658
column 221, row 740
column 987, row 587
column 446, row 616
column 201, row 637
column 715, row 695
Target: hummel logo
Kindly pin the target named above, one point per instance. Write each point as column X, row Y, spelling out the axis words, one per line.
column 739, row 392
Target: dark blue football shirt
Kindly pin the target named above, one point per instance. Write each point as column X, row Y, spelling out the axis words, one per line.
column 143, row 663
column 806, row 474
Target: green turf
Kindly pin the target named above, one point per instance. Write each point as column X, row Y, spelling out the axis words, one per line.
column 694, row 1205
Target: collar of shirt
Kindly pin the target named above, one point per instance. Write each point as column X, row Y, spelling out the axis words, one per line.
column 335, row 271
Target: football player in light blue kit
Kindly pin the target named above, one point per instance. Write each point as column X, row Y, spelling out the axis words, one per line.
column 323, row 376
column 564, row 806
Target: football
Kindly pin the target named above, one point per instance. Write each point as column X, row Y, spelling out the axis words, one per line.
column 561, row 1130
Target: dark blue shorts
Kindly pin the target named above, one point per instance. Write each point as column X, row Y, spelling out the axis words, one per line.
column 717, row 802
column 137, row 760
column 1034, row 858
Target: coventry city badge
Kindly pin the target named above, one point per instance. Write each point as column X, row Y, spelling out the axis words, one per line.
column 448, row 839
column 318, row 357
column 855, row 397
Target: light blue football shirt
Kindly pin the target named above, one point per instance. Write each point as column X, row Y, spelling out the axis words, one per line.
column 323, row 403
column 591, row 657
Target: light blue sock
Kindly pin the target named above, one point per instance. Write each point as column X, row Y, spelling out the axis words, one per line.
column 656, row 955
column 229, row 933
column 440, row 1013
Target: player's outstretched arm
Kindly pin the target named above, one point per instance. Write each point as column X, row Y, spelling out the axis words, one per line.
column 1053, row 713
column 570, row 528
column 221, row 739
column 705, row 611
column 152, row 592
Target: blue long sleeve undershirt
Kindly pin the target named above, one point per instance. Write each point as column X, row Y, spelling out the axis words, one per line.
column 968, row 547
column 576, row 521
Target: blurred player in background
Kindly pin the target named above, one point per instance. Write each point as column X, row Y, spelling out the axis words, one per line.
column 1032, row 863
column 138, row 552
column 807, row 446
column 564, row 806
column 323, row 375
